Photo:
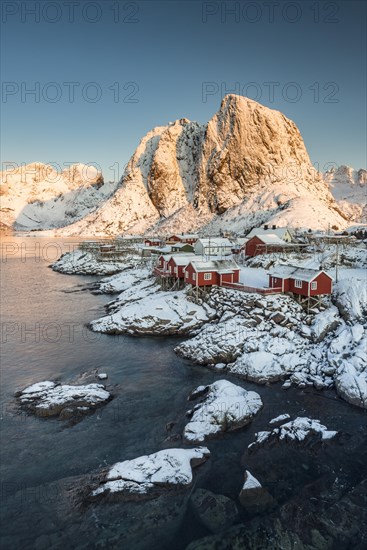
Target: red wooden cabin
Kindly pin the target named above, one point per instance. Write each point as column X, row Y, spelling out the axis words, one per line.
column 209, row 273
column 152, row 242
column 177, row 263
column 261, row 244
column 185, row 238
column 302, row 281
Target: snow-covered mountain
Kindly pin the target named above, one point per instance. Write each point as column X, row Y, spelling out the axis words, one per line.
column 36, row 196
column 246, row 166
column 349, row 189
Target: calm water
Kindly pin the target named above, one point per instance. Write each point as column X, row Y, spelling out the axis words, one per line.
column 43, row 318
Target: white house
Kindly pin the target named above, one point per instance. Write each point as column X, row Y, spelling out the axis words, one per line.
column 213, row 246
column 281, row 232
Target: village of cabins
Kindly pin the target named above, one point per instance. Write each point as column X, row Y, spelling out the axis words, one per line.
column 187, row 259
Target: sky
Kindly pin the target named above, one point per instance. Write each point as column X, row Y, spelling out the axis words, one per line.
column 84, row 81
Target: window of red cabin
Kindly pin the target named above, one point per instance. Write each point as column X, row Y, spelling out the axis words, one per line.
column 207, row 276
column 298, row 283
column 314, row 285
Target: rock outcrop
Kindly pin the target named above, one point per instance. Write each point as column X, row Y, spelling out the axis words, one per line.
column 224, row 407
column 46, row 399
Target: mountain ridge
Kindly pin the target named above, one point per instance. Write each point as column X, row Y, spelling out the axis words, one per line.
column 247, row 165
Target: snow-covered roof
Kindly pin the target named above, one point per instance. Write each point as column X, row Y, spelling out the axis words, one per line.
column 185, row 236
column 240, row 241
column 216, row 241
column 270, row 238
column 278, row 231
column 166, row 257
column 180, row 245
column 182, row 259
column 160, row 250
column 221, row 266
column 295, row 272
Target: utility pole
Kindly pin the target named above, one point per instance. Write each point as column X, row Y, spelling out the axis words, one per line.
column 337, row 260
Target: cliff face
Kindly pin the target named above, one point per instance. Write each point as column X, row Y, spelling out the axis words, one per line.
column 247, row 165
column 245, row 146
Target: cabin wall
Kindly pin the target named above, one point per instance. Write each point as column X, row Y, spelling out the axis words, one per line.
column 324, row 285
column 203, row 282
column 302, row 291
column 250, row 247
column 188, row 275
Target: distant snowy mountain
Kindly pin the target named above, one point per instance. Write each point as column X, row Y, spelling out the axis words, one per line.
column 248, row 165
column 349, row 189
column 36, row 196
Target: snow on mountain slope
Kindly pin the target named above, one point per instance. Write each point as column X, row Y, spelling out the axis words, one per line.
column 247, row 165
column 349, row 189
column 36, row 196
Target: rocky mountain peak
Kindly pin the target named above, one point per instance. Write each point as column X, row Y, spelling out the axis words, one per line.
column 248, row 165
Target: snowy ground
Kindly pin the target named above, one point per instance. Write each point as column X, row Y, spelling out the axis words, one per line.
column 255, row 277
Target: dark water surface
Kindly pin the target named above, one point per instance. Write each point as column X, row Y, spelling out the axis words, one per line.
column 44, row 336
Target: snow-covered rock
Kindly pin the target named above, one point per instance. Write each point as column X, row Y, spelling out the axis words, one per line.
column 259, row 366
column 253, row 496
column 324, row 322
column 165, row 469
column 80, row 262
column 298, row 430
column 52, row 399
column 153, row 312
column 351, row 384
column 124, row 281
column 225, row 407
column 347, row 355
column 350, row 296
column 279, row 419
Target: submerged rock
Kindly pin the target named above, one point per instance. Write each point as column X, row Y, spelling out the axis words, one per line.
column 225, row 407
column 53, row 399
column 215, row 512
column 316, row 518
column 167, row 469
column 64, row 516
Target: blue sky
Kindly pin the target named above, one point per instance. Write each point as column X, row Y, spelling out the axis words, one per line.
column 106, row 72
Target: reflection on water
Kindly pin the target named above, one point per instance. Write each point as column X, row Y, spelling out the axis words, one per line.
column 44, row 336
